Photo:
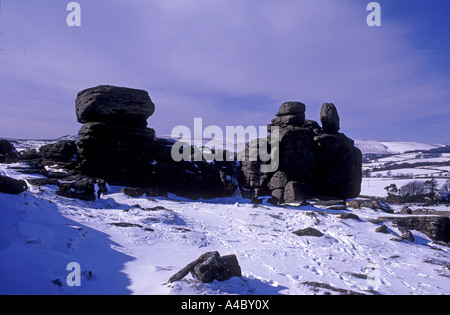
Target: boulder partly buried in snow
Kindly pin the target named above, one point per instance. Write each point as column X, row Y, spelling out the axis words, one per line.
column 12, row 186
column 349, row 216
column 82, row 188
column 62, row 151
column 8, row 153
column 209, row 267
column 435, row 227
column 309, row 231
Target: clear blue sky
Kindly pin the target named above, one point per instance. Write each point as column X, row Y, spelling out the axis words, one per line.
column 231, row 62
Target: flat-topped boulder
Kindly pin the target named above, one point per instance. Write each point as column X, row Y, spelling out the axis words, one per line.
column 291, row 108
column 107, row 103
column 290, row 114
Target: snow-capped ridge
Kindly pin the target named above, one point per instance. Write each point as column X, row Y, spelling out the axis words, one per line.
column 393, row 147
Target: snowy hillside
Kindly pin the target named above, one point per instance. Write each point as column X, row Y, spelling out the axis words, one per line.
column 130, row 245
column 390, row 147
column 399, row 163
column 366, row 146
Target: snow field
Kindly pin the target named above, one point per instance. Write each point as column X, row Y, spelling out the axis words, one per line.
column 372, row 186
column 391, row 147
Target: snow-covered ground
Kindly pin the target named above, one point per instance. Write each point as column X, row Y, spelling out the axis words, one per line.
column 130, row 245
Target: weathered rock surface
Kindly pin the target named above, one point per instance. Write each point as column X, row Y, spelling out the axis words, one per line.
column 373, row 204
column 290, row 114
column 114, row 142
column 215, row 267
column 209, row 267
column 309, row 231
column 349, row 216
column 296, row 192
column 340, row 166
column 279, row 181
column 81, row 187
column 6, row 146
column 8, row 153
column 314, row 161
column 292, row 108
column 12, row 186
column 406, row 210
column 330, row 118
column 70, row 183
column 29, row 155
column 408, row 236
column 111, row 104
column 382, row 229
column 435, row 227
column 63, row 151
column 192, row 179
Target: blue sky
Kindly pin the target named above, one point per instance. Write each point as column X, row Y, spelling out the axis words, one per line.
column 231, row 62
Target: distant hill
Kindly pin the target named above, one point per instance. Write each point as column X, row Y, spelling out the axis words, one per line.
column 391, row 147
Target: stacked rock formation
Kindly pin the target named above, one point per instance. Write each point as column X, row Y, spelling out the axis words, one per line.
column 315, row 162
column 114, row 143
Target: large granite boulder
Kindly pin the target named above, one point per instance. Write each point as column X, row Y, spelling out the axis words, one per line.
column 330, row 118
column 296, row 192
column 62, row 151
column 209, row 267
column 12, row 186
column 291, row 108
column 111, row 104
